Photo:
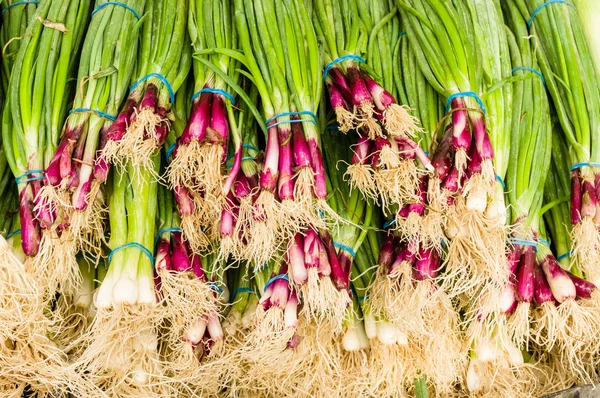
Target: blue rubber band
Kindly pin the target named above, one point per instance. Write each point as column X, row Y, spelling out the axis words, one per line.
column 501, row 181
column 228, row 166
column 342, row 59
column 563, row 256
column 464, row 94
column 18, row 3
column 215, row 91
column 162, row 231
column 99, row 113
column 170, row 150
column 213, row 286
column 264, row 267
column 240, row 290
column 332, row 127
column 389, row 224
column 363, row 298
column 426, row 153
column 344, row 247
column 275, row 278
column 309, row 113
column 444, row 244
column 136, row 245
column 525, row 68
column 401, row 33
column 540, row 8
column 13, row 233
column 115, row 3
column 582, row 164
column 247, row 146
column 544, row 241
column 159, row 77
column 23, row 177
column 523, row 242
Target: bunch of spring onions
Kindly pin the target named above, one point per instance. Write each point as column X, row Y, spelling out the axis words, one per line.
column 572, row 79
column 455, row 44
column 41, row 77
column 383, row 165
column 197, row 157
column 74, row 176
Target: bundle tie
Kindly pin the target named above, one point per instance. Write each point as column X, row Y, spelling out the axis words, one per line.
column 162, row 231
column 170, row 150
column 525, row 68
column 344, row 247
column 275, row 278
column 401, row 34
column 116, row 3
column 23, row 178
column 247, row 146
column 524, row 242
column 342, row 59
column 564, row 255
column 18, row 3
column 13, row 233
column 501, row 181
column 464, row 94
column 583, row 164
column 389, row 224
column 363, row 298
column 215, row 287
column 309, row 113
column 214, row 91
column 240, row 290
column 135, row 245
column 264, row 267
column 97, row 112
column 544, row 241
column 159, row 77
column 540, row 8
column 228, row 166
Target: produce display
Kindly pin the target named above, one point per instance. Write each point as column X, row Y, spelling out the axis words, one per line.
column 299, row 198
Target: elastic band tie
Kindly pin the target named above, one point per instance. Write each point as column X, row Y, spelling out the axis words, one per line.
column 401, row 34
column 159, row 77
column 501, row 181
column 544, row 241
column 18, row 3
column 540, row 8
column 309, row 113
column 342, row 59
column 275, row 278
column 247, row 146
column 97, row 112
column 583, row 164
column 563, row 256
column 523, row 242
column 115, row 3
column 13, row 233
column 363, row 298
column 170, row 150
column 332, row 127
column 525, row 68
column 228, row 166
column 240, row 290
column 344, row 247
column 464, row 94
column 426, row 153
column 135, row 245
column 264, row 267
column 23, row 178
column 389, row 224
column 214, row 91
column 213, row 286
column 162, row 231
column 444, row 244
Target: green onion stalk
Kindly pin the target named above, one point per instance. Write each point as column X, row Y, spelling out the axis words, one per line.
column 196, row 170
column 589, row 11
column 164, row 60
column 567, row 63
column 122, row 355
column 16, row 16
column 567, row 318
column 36, row 107
column 530, row 150
column 461, row 48
column 382, row 166
column 74, row 176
